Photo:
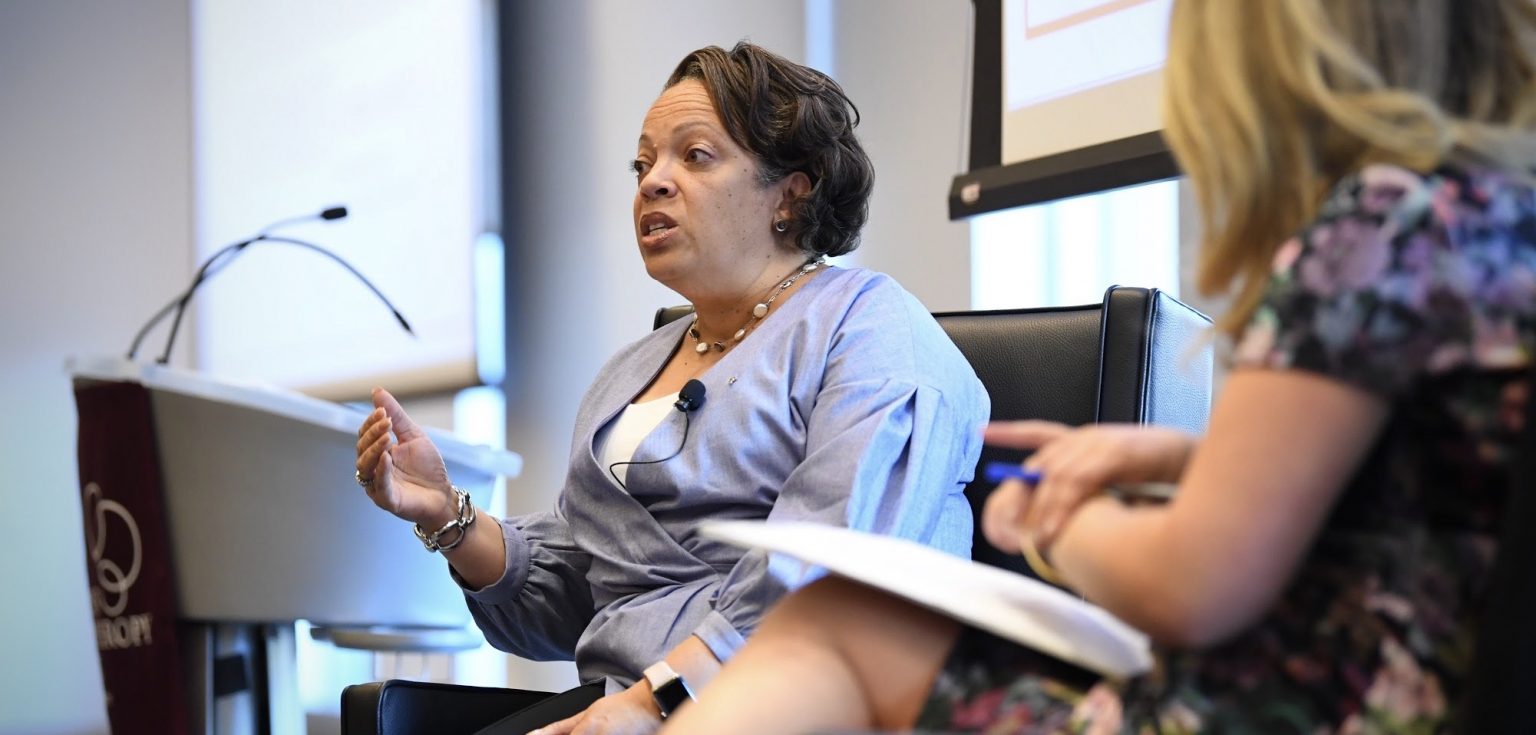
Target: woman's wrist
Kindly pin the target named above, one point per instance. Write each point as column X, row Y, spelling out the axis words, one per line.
column 453, row 531
column 643, row 696
column 480, row 559
column 439, row 511
column 1035, row 557
column 1175, row 468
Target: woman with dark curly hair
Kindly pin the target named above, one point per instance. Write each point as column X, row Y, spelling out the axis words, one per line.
column 833, row 396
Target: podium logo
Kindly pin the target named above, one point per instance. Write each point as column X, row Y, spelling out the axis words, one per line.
column 110, row 587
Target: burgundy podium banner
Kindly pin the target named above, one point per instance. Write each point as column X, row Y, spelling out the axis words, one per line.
column 128, row 558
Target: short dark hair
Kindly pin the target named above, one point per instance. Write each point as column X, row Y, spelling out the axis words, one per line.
column 792, row 118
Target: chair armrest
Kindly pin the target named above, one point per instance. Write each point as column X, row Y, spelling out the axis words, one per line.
column 400, row 707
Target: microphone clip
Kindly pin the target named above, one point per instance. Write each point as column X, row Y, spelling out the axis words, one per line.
column 691, row 397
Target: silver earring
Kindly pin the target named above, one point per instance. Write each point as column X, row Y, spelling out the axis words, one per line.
column 781, row 225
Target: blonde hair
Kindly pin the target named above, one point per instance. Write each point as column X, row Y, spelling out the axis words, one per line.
column 1268, row 103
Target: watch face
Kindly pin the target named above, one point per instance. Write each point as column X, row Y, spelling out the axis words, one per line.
column 671, row 695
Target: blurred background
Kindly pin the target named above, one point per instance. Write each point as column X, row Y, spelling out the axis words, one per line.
column 481, row 150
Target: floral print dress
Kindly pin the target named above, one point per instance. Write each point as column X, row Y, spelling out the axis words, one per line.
column 1420, row 288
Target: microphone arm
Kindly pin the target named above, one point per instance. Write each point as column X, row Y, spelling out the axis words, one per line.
column 203, row 274
column 207, row 270
column 375, row 289
column 329, row 214
column 221, row 259
column 133, row 349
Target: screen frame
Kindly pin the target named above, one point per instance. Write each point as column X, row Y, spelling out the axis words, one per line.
column 990, row 185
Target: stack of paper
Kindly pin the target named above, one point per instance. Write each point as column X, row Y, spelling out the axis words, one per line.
column 1010, row 605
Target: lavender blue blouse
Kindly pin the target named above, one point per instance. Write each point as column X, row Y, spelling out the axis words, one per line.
column 848, row 406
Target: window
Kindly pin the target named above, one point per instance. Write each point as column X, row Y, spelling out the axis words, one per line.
column 1069, row 251
column 384, row 108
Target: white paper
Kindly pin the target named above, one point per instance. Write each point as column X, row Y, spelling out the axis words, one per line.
column 1001, row 602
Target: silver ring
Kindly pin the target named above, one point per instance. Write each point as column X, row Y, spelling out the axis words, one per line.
column 359, row 475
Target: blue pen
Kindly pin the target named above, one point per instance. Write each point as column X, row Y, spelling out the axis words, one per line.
column 996, row 472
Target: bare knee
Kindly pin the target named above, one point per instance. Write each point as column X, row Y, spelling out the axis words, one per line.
column 826, row 599
column 891, row 647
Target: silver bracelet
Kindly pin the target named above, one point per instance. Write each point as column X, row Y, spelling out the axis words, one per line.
column 466, row 516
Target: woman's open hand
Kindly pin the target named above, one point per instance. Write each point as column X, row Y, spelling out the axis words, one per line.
column 1075, row 464
column 401, row 468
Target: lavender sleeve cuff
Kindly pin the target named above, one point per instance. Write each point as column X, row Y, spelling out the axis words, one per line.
column 720, row 636
column 506, row 589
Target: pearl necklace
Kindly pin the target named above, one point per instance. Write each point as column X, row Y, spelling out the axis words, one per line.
column 758, row 312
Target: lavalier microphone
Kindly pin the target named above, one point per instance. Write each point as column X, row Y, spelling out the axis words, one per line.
column 689, row 399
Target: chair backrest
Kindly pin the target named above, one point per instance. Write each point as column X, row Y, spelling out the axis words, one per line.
column 1140, row 356
column 668, row 314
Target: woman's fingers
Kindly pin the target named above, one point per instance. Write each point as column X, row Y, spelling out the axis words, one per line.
column 373, row 465
column 1055, row 501
column 1076, row 464
column 405, row 428
column 563, row 727
column 376, row 424
column 373, row 441
column 1070, row 477
column 368, row 455
column 1001, row 515
column 1014, row 509
column 1023, row 434
column 373, row 417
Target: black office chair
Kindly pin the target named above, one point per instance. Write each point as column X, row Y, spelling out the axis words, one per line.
column 404, row 707
column 1140, row 356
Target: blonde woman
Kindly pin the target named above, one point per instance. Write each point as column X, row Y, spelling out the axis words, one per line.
column 1363, row 169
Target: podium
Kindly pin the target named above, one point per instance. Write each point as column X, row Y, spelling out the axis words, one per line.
column 263, row 525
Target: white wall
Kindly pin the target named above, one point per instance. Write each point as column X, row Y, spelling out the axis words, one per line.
column 96, row 206
column 95, row 201
column 904, row 63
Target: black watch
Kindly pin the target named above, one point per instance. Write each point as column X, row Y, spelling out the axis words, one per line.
column 667, row 688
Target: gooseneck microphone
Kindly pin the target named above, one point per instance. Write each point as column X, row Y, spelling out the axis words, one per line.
column 332, row 213
column 689, row 399
column 213, row 265
column 224, row 256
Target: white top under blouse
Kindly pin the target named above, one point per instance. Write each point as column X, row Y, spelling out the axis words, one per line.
column 617, row 441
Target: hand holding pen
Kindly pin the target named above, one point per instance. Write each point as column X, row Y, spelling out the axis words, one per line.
column 997, row 472
column 1069, row 467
